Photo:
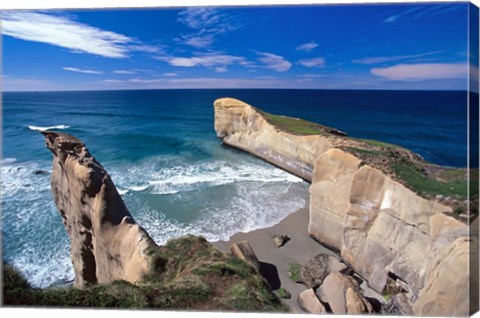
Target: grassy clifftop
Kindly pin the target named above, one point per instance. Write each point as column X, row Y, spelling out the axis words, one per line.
column 187, row 274
column 450, row 185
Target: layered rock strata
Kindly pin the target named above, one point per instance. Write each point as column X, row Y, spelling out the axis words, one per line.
column 386, row 232
column 106, row 243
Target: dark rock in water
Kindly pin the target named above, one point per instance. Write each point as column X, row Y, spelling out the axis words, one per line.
column 280, row 240
column 40, row 172
column 319, row 267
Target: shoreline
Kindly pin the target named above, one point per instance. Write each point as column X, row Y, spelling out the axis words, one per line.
column 275, row 260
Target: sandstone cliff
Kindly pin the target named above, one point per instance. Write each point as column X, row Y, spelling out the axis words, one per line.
column 244, row 127
column 106, row 243
column 390, row 235
column 117, row 264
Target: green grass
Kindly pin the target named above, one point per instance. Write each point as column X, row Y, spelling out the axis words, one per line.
column 423, row 184
column 283, row 293
column 379, row 143
column 363, row 151
column 296, row 126
column 294, row 271
column 186, row 273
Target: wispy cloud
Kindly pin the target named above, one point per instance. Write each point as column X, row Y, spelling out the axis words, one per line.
column 64, row 32
column 396, row 58
column 25, row 84
column 317, row 62
column 124, row 72
column 310, row 76
column 307, row 47
column 78, row 70
column 136, row 80
column 425, row 71
column 217, row 61
column 170, row 74
column 208, row 23
column 422, row 10
column 274, row 62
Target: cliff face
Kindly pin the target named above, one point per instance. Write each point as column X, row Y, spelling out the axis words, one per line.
column 387, row 233
column 241, row 126
column 106, row 243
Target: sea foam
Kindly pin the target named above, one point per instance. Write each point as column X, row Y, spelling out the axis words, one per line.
column 40, row 128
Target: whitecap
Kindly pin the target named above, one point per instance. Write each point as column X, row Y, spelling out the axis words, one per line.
column 8, row 161
column 183, row 177
column 122, row 191
column 40, row 128
column 138, row 188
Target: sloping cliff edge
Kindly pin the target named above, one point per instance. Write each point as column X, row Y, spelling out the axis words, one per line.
column 390, row 235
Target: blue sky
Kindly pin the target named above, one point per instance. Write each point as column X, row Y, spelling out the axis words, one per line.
column 396, row 46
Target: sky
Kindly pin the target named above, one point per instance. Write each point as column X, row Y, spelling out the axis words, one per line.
column 351, row 46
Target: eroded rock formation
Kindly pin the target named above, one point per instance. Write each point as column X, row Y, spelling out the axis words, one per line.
column 242, row 126
column 106, row 243
column 386, row 232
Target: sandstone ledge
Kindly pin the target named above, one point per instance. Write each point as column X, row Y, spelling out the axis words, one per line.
column 389, row 234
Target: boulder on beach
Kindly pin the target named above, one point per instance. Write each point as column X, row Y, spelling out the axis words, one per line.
column 309, row 302
column 280, row 240
column 343, row 295
column 319, row 267
column 244, row 251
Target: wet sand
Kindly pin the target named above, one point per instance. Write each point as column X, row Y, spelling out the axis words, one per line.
column 274, row 260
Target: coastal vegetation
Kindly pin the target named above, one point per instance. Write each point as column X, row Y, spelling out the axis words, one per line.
column 187, row 273
column 426, row 179
column 298, row 126
column 294, row 271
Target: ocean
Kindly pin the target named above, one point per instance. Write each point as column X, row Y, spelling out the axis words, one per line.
column 175, row 176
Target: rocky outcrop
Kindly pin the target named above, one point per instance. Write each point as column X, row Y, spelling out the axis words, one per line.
column 242, row 126
column 244, row 251
column 388, row 234
column 319, row 267
column 106, row 243
column 343, row 295
column 309, row 303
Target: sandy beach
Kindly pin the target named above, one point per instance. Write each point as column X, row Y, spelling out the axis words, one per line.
column 299, row 249
column 274, row 260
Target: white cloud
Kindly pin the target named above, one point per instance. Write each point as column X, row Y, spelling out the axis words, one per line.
column 383, row 59
column 135, row 80
column 417, row 72
column 310, row 76
column 10, row 84
column 78, row 70
column 124, row 72
column 220, row 69
column 274, row 62
column 208, row 24
column 67, row 33
column 317, row 62
column 170, row 74
column 421, row 11
column 307, row 47
column 206, row 60
column 202, row 41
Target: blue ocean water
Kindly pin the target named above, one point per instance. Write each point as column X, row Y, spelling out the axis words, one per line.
column 175, row 176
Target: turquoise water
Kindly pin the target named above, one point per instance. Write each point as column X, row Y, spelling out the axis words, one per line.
column 161, row 151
